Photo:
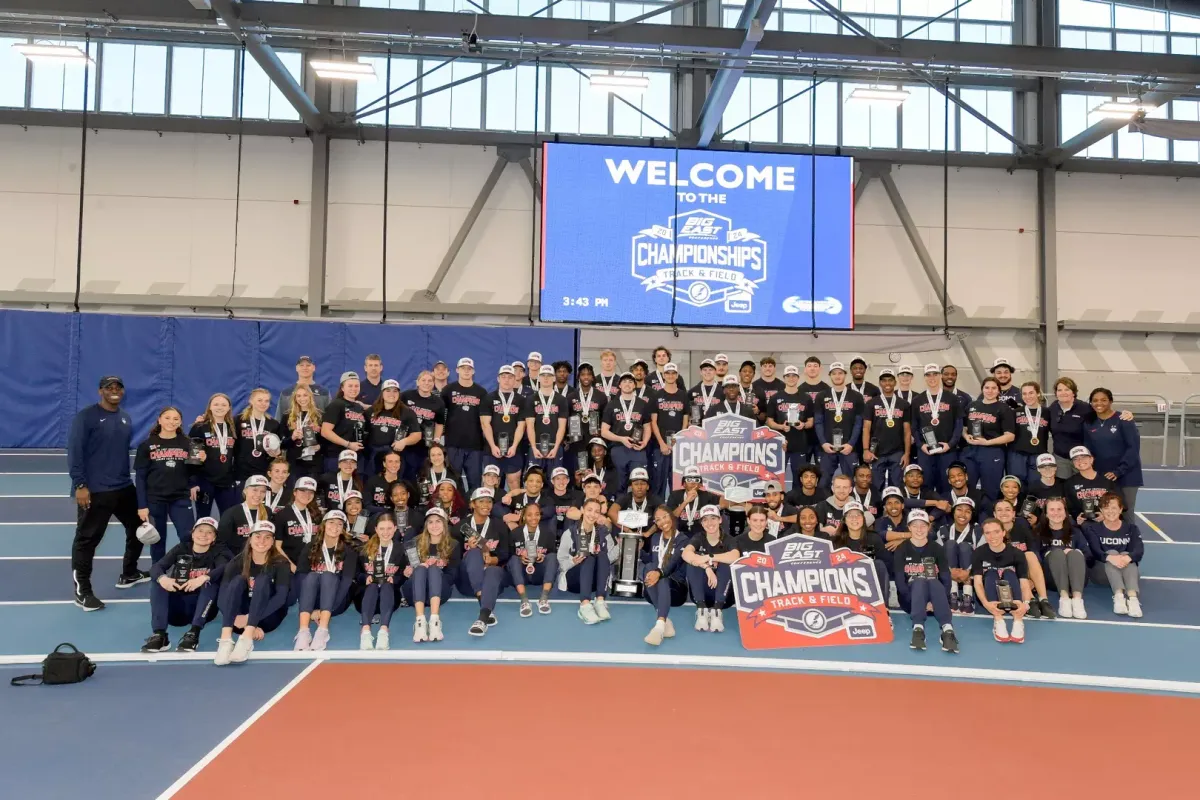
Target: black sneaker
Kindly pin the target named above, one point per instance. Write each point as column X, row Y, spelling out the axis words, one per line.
column 1035, row 610
column 188, row 643
column 156, row 643
column 88, row 602
column 478, row 628
column 129, row 581
column 918, row 639
column 1047, row 610
column 949, row 641
column 492, row 621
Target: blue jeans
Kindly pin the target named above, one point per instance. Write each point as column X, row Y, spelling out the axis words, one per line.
column 180, row 513
column 661, row 467
column 468, row 463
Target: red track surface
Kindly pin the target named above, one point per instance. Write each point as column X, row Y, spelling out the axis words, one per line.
column 720, row 734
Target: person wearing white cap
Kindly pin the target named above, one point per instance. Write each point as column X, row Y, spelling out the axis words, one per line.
column 686, row 502
column 533, row 559
column 626, row 423
column 936, row 415
column 669, row 408
column 484, row 541
column 838, row 415
column 704, row 394
column 664, row 576
column 585, row 554
column 334, row 486
column 660, row 357
column 545, row 414
column 296, row 524
column 534, row 368
column 425, row 402
column 923, row 579
column 371, row 384
column 1033, row 433
column 918, row 495
column 504, row 427
column 1064, row 548
column 608, row 380
column 465, row 401
column 721, row 364
column 997, row 567
column 344, row 423
column 789, row 411
column 1010, row 394
column 593, row 488
column 638, row 498
column 708, row 556
column 891, row 524
column 731, row 402
column 432, row 561
column 383, row 565
column 327, row 574
column 531, row 492
column 1084, row 489
column 904, row 377
column 234, row 527
column 183, row 588
column 562, row 496
column 961, row 536
column 887, row 432
column 990, row 426
column 253, row 595
column 392, row 427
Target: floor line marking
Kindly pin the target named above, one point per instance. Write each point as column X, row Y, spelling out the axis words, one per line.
column 643, row 659
column 69, row 602
column 1170, row 513
column 63, row 496
column 1160, row 489
column 238, row 731
column 1160, row 578
column 1153, row 527
column 62, row 558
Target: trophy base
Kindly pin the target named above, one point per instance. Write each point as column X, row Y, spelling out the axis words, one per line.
column 624, row 588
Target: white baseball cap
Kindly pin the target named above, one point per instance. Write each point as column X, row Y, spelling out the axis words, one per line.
column 353, row 494
column 534, row 356
column 637, row 474
column 1046, row 460
column 887, row 372
column 710, row 511
column 347, row 455
column 148, row 534
column 729, row 379
column 1001, row 362
column 209, row 521
column 506, row 369
column 546, row 369
column 264, row 525
column 836, row 365
column 491, row 469
column 483, row 493
column 932, row 368
column 334, row 514
column 305, row 484
column 1079, row 451
column 348, row 376
column 260, row 480
column 912, row 467
column 852, row 505
column 671, row 367
column 892, row 491
column 390, row 384
column 708, row 362
column 691, row 472
column 964, row 501
column 791, row 369
column 554, row 473
column 466, row 362
column 905, row 369
column 721, row 357
column 436, row 511
column 918, row 515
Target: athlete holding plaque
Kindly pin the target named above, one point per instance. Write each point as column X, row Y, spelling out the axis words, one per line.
column 184, row 588
column 990, row 426
column 708, row 555
column 789, row 411
column 1001, row 579
column 432, row 561
column 887, row 433
column 504, row 427
column 302, row 435
column 257, row 437
column 383, row 563
column 215, row 480
column 465, row 401
column 731, row 401
column 669, row 409
column 938, row 421
column 545, row 414
column 704, row 394
column 686, row 503
column 392, row 427
column 484, row 542
column 626, row 424
column 839, row 424
column 664, row 574
column 344, row 424
column 533, row 559
column 426, row 403
column 584, row 547
column 923, row 580
column 585, row 405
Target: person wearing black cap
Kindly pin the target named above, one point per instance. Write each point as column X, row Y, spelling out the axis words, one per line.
column 839, row 424
column 789, row 411
column 545, row 414
column 98, row 462
column 705, row 394
column 936, row 416
column 626, row 425
column 731, row 402
column 859, row 382
column 503, row 423
column 887, row 432
column 465, row 401
column 814, row 387
column 669, row 409
column 304, row 377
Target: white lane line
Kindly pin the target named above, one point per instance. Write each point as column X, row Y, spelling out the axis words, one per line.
column 61, row 496
column 1159, row 489
column 64, row 602
column 56, row 474
column 1155, row 541
column 663, row 660
column 1159, row 578
column 1170, row 513
column 238, row 731
column 64, row 558
column 1153, row 527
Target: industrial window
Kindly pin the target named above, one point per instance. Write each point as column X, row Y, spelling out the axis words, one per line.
column 12, row 74
column 134, row 78
column 261, row 98
column 371, row 93
column 202, row 81
column 510, row 99
column 58, row 86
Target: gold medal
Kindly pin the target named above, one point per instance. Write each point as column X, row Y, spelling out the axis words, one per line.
column 506, row 418
column 1034, row 441
column 837, row 417
column 891, row 423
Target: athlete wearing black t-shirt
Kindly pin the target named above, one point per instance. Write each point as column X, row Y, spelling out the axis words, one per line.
column 465, row 401
column 994, row 563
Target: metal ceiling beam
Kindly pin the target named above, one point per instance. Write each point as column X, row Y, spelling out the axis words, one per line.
column 359, row 23
column 752, row 23
column 230, row 12
column 1106, row 127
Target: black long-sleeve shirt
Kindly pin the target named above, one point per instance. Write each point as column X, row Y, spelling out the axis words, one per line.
column 161, row 470
column 182, row 562
column 909, row 563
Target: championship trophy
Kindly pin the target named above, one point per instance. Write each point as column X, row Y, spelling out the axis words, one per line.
column 594, row 422
column 308, row 442
column 977, row 428
column 793, row 414
column 626, row 582
column 545, row 442
column 379, row 574
column 401, row 433
column 1029, row 506
column 581, row 460
column 636, row 434
column 873, row 445
column 503, row 442
column 401, row 521
column 194, row 450
column 183, row 568
column 836, row 438
column 1005, row 593
column 425, row 489
column 427, row 434
column 697, row 413
column 929, row 568
column 1089, row 508
column 413, row 554
column 929, row 436
column 531, row 553
column 575, row 428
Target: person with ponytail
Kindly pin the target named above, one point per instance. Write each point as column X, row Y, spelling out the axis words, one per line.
column 432, row 559
column 327, row 574
column 584, row 547
column 664, row 576
column 336, row 486
column 251, row 456
column 533, row 560
column 215, row 479
column 253, row 595
column 383, row 565
column 162, row 481
column 356, row 521
column 708, row 556
column 435, row 469
column 303, row 423
column 484, row 540
column 236, row 523
column 392, row 427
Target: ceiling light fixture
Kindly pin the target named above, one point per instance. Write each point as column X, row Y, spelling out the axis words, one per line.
column 879, row 94
column 619, row 83
column 344, row 70
column 52, row 52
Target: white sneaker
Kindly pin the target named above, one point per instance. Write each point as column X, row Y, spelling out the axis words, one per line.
column 716, row 622
column 655, row 636
column 241, row 650
column 1119, row 604
column 420, row 632
column 669, row 632
column 601, row 607
column 365, row 642
column 320, row 639
column 383, row 640
column 1000, row 630
column 303, row 640
column 1077, row 609
column 1066, row 608
column 588, row 614
column 224, row 651
column 701, row 619
column 435, row 628
column 893, row 597
column 1135, row 607
column 1018, row 631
